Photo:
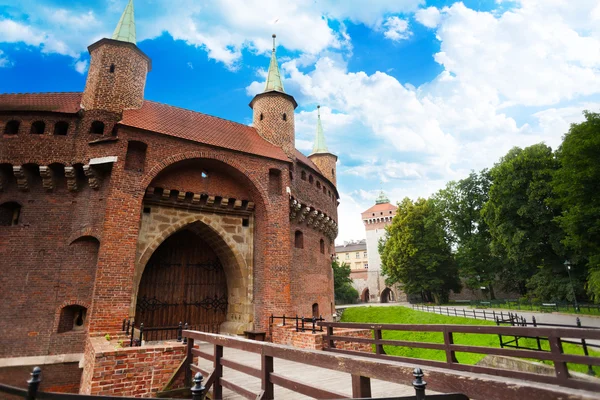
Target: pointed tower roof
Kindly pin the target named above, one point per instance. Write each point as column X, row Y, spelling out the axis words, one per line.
column 319, row 146
column 382, row 198
column 274, row 77
column 125, row 30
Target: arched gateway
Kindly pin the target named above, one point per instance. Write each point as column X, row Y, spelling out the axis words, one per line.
column 184, row 281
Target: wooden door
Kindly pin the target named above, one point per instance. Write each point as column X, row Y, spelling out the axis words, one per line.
column 184, row 282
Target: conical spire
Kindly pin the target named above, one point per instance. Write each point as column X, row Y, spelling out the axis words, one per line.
column 382, row 198
column 319, row 146
column 274, row 77
column 125, row 30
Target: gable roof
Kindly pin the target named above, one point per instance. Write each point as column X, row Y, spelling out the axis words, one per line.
column 203, row 128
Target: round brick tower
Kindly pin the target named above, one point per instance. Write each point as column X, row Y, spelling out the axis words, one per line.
column 320, row 155
column 118, row 69
column 273, row 111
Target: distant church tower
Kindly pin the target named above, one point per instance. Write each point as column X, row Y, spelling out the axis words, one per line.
column 118, row 69
column 273, row 111
column 320, row 155
column 376, row 219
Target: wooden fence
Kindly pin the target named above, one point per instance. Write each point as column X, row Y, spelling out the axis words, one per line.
column 554, row 336
column 361, row 371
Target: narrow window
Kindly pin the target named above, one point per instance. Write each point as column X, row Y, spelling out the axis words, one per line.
column 147, row 210
column 322, row 246
column 315, row 310
column 112, row 68
column 284, row 116
column 72, row 318
column 274, row 181
column 291, row 176
column 9, row 214
column 261, row 116
column 12, row 127
column 299, row 240
column 318, row 185
column 324, row 190
column 136, row 156
column 303, row 175
column 61, row 128
column 38, row 128
column 245, row 222
column 333, row 172
column 97, row 128
column 310, row 179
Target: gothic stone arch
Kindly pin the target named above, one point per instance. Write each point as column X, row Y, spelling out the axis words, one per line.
column 232, row 243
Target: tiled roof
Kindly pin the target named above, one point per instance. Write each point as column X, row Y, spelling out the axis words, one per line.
column 381, row 207
column 56, row 102
column 191, row 125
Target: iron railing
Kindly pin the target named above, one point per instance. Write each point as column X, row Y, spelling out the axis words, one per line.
column 302, row 323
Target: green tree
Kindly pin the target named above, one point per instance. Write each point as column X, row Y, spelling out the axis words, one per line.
column 342, row 283
column 521, row 219
column 460, row 203
column 416, row 252
column 577, row 185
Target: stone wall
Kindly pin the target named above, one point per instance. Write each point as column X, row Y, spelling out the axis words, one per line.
column 130, row 371
column 315, row 341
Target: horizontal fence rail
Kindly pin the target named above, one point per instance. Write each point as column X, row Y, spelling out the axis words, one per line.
column 489, row 315
column 553, row 335
column 361, row 371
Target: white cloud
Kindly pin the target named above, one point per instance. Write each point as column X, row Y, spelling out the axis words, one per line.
column 4, row 60
column 430, row 16
column 81, row 66
column 396, row 29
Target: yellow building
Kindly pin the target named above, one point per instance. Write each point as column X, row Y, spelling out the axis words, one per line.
column 353, row 254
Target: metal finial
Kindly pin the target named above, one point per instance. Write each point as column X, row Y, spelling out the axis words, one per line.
column 274, row 36
column 197, row 390
column 419, row 384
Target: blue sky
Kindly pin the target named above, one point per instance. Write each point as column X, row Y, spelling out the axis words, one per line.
column 414, row 93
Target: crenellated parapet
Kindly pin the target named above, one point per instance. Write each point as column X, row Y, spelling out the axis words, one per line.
column 202, row 200
column 313, row 218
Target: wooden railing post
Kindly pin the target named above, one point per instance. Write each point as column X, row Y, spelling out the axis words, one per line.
column 378, row 347
column 361, row 387
column 560, row 367
column 218, row 372
column 448, row 341
column 266, row 371
column 34, row 383
column 189, row 360
column 328, row 339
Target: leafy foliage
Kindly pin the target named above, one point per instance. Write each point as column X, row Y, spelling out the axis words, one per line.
column 577, row 184
column 342, row 283
column 416, row 252
column 520, row 216
column 460, row 204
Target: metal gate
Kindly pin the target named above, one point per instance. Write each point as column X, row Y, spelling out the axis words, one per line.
column 184, row 282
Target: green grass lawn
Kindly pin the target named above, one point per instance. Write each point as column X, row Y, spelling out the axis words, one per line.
column 403, row 315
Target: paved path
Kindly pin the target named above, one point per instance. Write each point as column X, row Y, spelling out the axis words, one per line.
column 309, row 374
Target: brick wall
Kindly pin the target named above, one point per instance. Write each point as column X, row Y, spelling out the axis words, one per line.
column 130, row 371
column 315, row 341
column 326, row 163
column 59, row 378
column 268, row 119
